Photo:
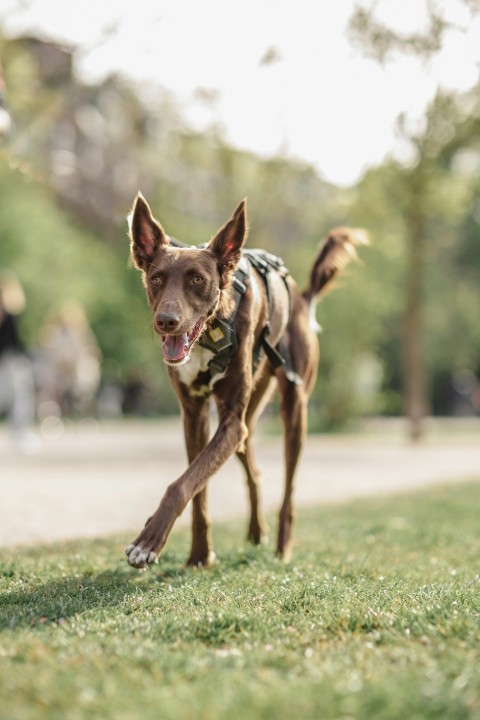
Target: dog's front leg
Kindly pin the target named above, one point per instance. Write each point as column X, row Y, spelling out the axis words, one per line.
column 196, row 429
column 230, row 435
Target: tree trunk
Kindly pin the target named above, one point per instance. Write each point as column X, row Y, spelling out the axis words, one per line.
column 415, row 396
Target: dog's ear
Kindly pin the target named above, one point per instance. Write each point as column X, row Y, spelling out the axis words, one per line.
column 229, row 240
column 146, row 233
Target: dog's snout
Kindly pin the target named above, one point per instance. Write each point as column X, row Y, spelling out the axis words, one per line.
column 167, row 322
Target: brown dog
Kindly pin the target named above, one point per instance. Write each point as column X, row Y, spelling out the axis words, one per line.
column 233, row 326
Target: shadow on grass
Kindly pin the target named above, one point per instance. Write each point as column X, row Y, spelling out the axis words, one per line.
column 55, row 600
column 37, row 596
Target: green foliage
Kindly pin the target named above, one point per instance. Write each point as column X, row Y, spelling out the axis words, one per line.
column 377, row 617
column 118, row 139
column 381, row 41
column 55, row 260
column 424, row 218
column 58, row 261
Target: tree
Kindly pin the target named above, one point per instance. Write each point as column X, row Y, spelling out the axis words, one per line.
column 452, row 123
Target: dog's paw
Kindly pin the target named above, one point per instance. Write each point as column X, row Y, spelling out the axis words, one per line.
column 203, row 560
column 140, row 556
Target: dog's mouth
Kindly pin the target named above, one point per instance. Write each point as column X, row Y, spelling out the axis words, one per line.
column 176, row 348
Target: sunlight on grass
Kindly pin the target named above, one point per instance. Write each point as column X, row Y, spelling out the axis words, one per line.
column 377, row 616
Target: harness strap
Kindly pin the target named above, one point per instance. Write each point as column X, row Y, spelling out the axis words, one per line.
column 221, row 337
column 278, row 356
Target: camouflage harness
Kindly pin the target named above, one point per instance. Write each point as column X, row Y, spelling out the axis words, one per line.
column 221, row 337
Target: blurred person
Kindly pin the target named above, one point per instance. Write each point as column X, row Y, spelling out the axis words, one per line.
column 17, row 386
column 70, row 366
column 5, row 118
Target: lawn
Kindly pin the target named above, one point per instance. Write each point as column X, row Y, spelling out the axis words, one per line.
column 377, row 616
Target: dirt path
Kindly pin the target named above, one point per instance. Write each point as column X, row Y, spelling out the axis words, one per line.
column 96, row 479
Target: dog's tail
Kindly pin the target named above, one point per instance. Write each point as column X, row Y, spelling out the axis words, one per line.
column 334, row 254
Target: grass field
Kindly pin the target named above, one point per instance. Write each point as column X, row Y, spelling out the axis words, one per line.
column 377, row 616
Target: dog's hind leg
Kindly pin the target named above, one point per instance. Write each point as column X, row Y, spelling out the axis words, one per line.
column 257, row 528
column 196, row 427
column 294, row 415
column 201, row 553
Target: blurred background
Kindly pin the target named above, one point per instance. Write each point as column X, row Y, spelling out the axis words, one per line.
column 361, row 113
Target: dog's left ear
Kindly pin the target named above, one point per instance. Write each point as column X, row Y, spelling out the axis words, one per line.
column 146, row 233
column 229, row 240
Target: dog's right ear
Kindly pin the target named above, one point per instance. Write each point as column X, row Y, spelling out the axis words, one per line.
column 146, row 233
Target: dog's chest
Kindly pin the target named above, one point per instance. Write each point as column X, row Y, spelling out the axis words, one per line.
column 195, row 373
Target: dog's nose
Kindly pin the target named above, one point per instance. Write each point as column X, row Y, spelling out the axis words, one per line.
column 167, row 322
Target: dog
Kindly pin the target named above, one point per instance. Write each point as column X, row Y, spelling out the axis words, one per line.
column 233, row 326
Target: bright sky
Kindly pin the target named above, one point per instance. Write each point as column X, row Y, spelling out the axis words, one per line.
column 320, row 101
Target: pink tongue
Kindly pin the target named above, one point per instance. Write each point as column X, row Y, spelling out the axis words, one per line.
column 174, row 346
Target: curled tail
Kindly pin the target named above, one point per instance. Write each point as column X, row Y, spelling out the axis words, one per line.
column 334, row 254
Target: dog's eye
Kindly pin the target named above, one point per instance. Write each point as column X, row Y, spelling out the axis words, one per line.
column 156, row 280
column 197, row 280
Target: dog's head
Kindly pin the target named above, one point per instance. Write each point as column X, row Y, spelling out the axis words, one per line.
column 188, row 286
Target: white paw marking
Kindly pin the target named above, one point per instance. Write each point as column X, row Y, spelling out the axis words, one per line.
column 139, row 556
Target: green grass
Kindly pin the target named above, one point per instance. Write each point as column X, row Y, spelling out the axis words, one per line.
column 377, row 616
